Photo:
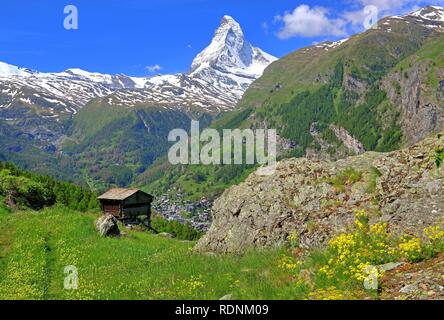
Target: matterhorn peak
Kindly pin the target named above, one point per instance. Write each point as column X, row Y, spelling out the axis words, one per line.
column 226, row 19
column 227, row 40
column 230, row 53
column 228, row 24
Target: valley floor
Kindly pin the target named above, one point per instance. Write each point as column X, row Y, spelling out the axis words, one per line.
column 35, row 248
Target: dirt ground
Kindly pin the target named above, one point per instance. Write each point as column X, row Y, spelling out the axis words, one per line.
column 420, row 281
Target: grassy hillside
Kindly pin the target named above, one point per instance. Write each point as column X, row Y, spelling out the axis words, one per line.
column 368, row 55
column 111, row 145
column 26, row 152
column 345, row 86
column 36, row 247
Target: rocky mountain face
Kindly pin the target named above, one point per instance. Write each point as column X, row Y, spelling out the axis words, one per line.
column 41, row 110
column 319, row 199
column 420, row 101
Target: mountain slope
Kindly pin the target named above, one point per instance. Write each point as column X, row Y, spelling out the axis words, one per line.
column 343, row 85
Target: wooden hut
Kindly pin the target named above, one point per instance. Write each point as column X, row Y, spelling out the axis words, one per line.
column 126, row 204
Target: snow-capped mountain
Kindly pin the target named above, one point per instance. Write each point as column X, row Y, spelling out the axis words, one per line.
column 218, row 77
column 39, row 107
column 423, row 22
column 430, row 13
column 230, row 61
column 176, row 92
column 431, row 17
column 9, row 70
column 73, row 87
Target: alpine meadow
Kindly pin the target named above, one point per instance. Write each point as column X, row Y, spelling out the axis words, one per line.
column 294, row 168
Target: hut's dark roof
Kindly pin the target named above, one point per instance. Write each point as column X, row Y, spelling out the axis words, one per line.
column 118, row 194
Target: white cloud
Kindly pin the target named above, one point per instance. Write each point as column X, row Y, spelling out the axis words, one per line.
column 364, row 18
column 354, row 17
column 392, row 7
column 310, row 22
column 265, row 27
column 357, row 18
column 153, row 68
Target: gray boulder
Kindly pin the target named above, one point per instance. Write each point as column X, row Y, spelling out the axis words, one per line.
column 107, row 226
column 410, row 288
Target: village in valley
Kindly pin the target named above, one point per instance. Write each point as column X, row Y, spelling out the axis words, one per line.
column 177, row 208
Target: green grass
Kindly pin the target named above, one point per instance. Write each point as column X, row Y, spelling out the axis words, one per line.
column 372, row 177
column 178, row 230
column 137, row 266
column 4, row 209
column 35, row 248
column 96, row 116
column 439, row 157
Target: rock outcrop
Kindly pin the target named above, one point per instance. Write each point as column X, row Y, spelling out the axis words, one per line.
column 352, row 144
column 107, row 226
column 421, row 109
column 318, row 200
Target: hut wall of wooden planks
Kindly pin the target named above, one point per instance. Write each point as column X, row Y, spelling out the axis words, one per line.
column 126, row 204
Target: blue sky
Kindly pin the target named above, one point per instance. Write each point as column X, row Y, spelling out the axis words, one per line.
column 117, row 36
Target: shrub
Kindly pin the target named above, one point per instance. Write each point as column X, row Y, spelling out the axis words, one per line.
column 439, row 157
column 411, row 249
column 293, row 239
column 348, row 177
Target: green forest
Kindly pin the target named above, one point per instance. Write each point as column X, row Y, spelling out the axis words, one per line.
column 23, row 189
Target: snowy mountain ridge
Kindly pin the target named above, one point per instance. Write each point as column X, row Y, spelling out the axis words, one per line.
column 430, row 13
column 218, row 78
